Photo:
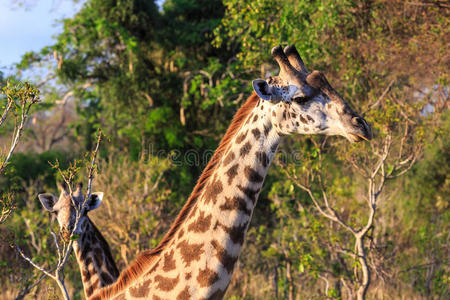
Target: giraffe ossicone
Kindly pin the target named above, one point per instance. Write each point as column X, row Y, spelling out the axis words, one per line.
column 97, row 266
column 196, row 258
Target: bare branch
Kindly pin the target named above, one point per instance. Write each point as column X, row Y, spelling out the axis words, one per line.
column 332, row 215
column 27, row 289
column 5, row 112
column 47, row 273
column 57, row 246
column 375, row 104
column 93, row 166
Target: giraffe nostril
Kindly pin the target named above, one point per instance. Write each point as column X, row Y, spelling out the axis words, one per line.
column 357, row 121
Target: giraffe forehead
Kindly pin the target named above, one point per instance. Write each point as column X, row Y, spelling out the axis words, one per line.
column 63, row 202
column 65, row 215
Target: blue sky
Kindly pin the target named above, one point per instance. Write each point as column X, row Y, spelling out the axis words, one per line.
column 30, row 26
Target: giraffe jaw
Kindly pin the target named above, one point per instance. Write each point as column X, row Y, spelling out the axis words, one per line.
column 360, row 130
column 355, row 137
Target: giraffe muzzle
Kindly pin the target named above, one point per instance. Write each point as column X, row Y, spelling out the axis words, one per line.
column 361, row 130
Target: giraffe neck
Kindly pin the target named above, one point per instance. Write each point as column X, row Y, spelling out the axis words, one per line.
column 97, row 267
column 210, row 241
column 196, row 258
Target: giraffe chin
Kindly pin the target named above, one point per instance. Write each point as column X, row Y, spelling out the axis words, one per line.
column 65, row 236
column 355, row 138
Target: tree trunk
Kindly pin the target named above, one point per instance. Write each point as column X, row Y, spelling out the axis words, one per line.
column 275, row 282
column 362, row 290
column 290, row 281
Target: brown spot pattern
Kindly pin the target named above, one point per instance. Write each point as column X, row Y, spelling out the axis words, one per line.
column 262, row 158
column 212, row 191
column 309, row 118
column 201, row 224
column 86, row 274
column 303, row 120
column 232, row 172
column 230, row 157
column 236, row 233
column 267, row 129
column 235, row 203
column 140, row 290
column 253, row 175
column 184, row 294
column 225, row 259
column 251, row 194
column 169, row 262
column 190, row 252
column 256, row 133
column 90, row 290
column 245, row 149
column 166, row 283
column 207, row 277
column 241, row 137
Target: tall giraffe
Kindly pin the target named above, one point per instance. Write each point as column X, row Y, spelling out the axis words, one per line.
column 97, row 267
column 195, row 259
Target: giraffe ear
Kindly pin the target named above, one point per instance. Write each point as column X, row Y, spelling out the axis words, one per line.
column 262, row 89
column 94, row 201
column 48, row 201
column 269, row 92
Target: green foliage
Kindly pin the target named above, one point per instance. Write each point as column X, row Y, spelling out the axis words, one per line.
column 26, row 168
column 259, row 25
column 161, row 82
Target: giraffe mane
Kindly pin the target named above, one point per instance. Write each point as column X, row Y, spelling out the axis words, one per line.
column 147, row 257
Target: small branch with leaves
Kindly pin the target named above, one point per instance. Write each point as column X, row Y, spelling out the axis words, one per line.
column 22, row 97
column 64, row 247
column 19, row 100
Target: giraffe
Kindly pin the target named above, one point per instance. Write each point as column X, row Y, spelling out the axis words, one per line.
column 196, row 258
column 97, row 267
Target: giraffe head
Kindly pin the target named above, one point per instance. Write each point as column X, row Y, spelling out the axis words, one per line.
column 64, row 208
column 305, row 103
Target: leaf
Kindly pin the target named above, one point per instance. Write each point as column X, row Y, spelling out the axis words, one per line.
column 301, row 268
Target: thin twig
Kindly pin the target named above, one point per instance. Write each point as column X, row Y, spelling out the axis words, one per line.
column 5, row 113
column 27, row 289
column 18, row 132
column 47, row 273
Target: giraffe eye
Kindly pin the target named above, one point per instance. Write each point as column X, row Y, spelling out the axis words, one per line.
column 301, row 100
